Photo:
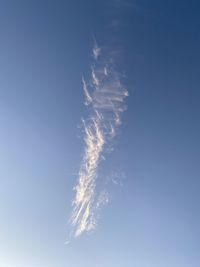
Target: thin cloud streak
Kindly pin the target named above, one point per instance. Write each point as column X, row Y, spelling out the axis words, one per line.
column 96, row 50
column 105, row 95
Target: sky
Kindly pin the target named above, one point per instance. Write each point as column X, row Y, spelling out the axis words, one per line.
column 147, row 171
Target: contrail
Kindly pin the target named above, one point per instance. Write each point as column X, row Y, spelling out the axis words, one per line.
column 105, row 95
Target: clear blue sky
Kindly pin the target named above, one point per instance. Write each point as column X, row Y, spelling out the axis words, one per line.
column 153, row 219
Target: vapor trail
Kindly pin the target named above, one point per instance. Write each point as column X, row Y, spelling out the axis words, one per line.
column 105, row 95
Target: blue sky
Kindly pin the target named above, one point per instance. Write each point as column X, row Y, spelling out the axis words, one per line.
column 152, row 218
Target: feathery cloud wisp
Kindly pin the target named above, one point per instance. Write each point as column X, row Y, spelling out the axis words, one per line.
column 96, row 50
column 105, row 94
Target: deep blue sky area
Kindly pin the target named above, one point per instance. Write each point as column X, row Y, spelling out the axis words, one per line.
column 153, row 217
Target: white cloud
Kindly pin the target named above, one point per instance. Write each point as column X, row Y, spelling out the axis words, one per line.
column 96, row 50
column 87, row 95
column 105, row 94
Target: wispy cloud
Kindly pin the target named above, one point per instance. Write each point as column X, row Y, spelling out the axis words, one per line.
column 105, row 94
column 96, row 50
